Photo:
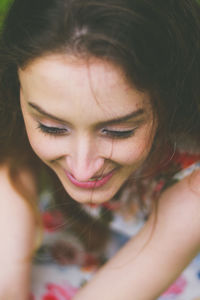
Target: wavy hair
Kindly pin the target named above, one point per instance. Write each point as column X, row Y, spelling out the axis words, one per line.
column 155, row 43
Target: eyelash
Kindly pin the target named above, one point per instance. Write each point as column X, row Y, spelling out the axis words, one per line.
column 54, row 131
column 117, row 134
column 114, row 134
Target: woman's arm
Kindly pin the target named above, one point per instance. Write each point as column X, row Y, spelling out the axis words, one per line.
column 151, row 261
column 17, row 237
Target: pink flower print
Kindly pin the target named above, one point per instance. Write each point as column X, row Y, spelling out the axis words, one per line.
column 57, row 292
column 159, row 186
column 185, row 159
column 177, row 288
column 52, row 221
column 31, row 297
column 50, row 297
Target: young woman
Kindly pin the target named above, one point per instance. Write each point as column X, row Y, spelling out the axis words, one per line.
column 105, row 94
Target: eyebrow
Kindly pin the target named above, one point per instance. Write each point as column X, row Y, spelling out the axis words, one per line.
column 121, row 119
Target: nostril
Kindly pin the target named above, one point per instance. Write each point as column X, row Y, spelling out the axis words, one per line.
column 85, row 169
column 96, row 178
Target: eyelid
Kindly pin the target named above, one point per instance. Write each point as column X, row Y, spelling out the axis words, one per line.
column 52, row 124
column 121, row 129
column 49, row 123
column 52, row 130
column 119, row 134
column 128, row 125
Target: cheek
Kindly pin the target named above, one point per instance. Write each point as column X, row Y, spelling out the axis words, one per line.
column 45, row 147
column 134, row 150
column 42, row 150
column 130, row 154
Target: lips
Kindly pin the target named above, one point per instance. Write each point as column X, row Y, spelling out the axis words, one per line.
column 93, row 183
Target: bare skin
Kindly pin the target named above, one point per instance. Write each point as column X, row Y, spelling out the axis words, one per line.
column 81, row 144
column 18, row 231
column 151, row 261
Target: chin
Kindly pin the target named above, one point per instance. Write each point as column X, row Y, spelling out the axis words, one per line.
column 96, row 196
column 92, row 196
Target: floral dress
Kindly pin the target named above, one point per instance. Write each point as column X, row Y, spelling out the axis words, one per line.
column 63, row 264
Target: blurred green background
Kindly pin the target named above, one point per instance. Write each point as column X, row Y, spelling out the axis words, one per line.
column 3, row 7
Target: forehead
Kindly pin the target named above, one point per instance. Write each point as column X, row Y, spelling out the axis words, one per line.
column 92, row 84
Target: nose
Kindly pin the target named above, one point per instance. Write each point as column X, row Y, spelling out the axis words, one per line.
column 85, row 160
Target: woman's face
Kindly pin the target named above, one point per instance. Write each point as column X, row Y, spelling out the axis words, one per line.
column 86, row 123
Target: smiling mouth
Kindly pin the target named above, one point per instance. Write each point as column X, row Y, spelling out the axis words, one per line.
column 91, row 183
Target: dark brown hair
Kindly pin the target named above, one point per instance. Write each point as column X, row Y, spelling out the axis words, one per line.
column 155, row 43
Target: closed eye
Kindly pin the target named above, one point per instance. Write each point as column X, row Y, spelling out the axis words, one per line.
column 119, row 134
column 114, row 134
column 52, row 130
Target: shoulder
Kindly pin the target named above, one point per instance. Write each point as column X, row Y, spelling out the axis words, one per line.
column 24, row 177
column 13, row 205
column 178, row 210
column 17, row 219
column 184, row 193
